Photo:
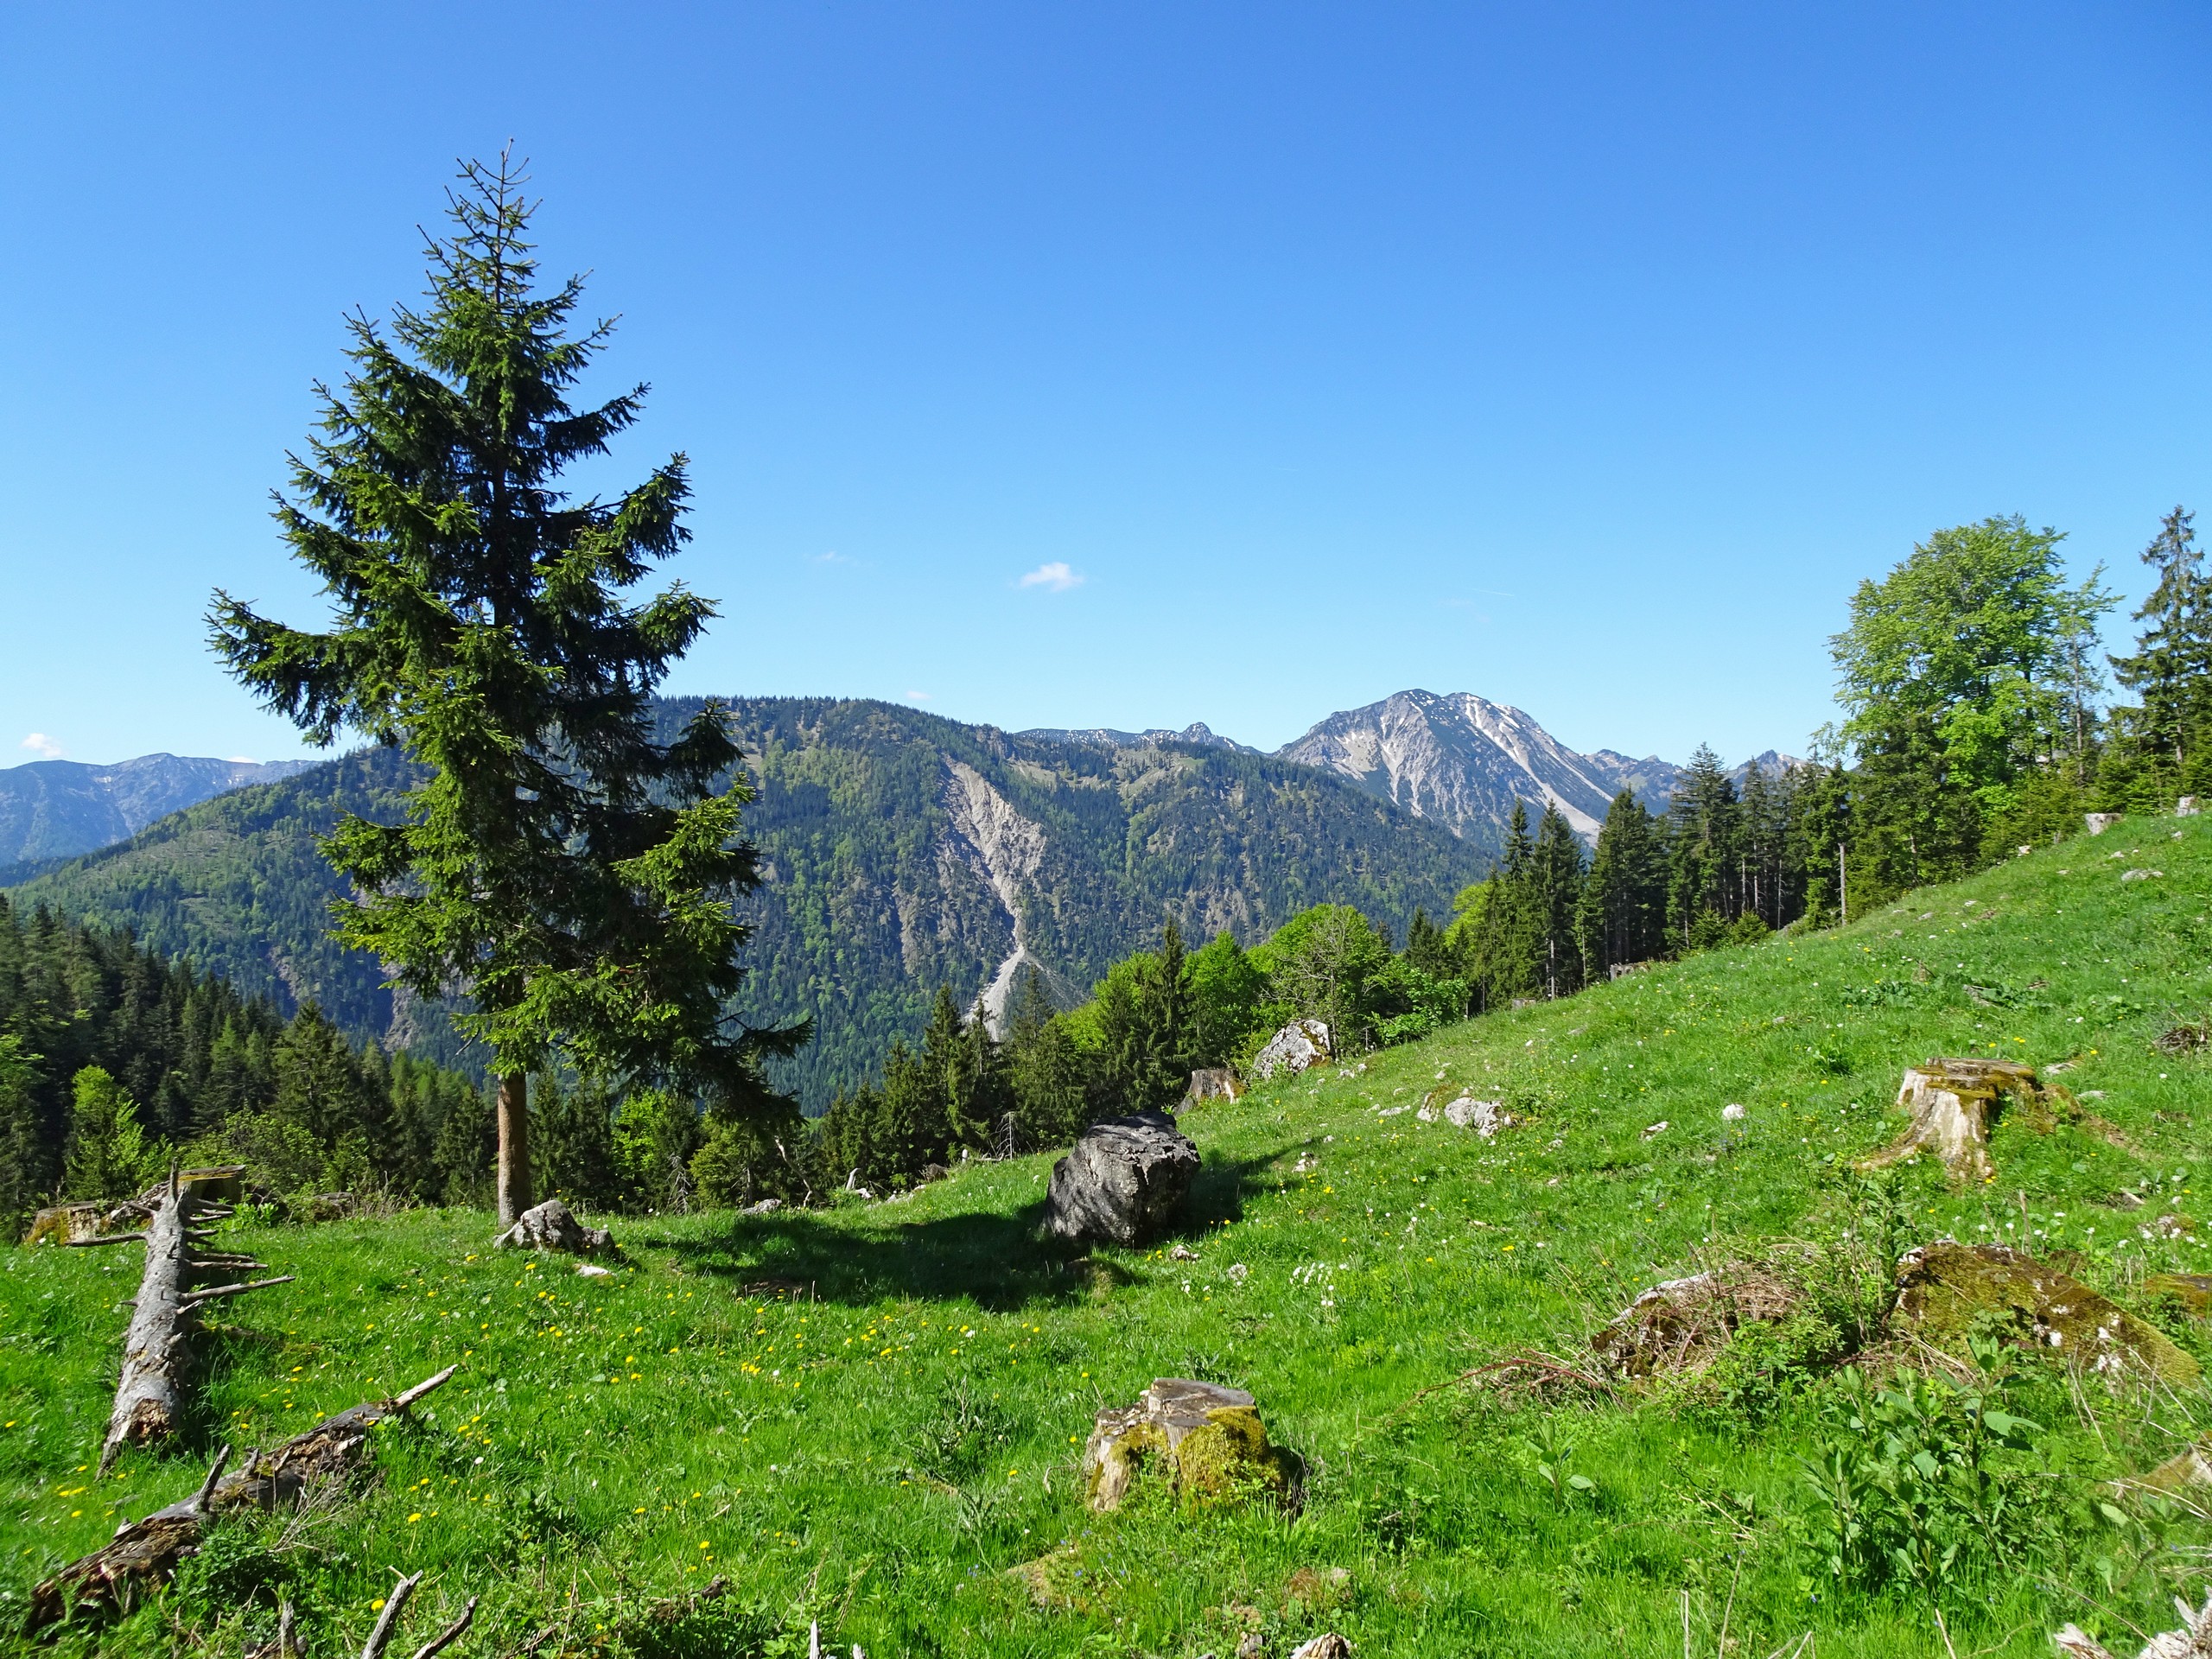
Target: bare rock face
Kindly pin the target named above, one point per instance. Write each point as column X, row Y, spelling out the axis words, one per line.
column 1213, row 1083
column 551, row 1226
column 1952, row 1104
column 1297, row 1045
column 1943, row 1286
column 2098, row 823
column 1121, row 1181
column 1208, row 1437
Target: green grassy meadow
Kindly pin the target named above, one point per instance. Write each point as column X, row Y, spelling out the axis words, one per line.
column 866, row 1416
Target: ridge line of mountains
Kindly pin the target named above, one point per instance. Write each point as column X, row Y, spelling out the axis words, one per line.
column 901, row 850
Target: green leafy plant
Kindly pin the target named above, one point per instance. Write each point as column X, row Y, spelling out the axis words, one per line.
column 1552, row 1451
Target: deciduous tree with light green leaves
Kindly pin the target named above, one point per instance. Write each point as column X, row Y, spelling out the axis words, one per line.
column 566, row 871
column 1970, row 652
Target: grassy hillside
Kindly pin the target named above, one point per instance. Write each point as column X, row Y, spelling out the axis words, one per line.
column 874, row 895
column 879, row 1452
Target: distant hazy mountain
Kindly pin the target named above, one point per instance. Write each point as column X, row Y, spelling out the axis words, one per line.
column 1197, row 733
column 58, row 809
column 1462, row 760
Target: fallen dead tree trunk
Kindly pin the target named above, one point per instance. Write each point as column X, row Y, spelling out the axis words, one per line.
column 157, row 1351
column 144, row 1553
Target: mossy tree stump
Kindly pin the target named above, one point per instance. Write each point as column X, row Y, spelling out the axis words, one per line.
column 1209, row 1440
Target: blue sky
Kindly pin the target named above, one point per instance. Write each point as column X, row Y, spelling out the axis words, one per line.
column 1582, row 357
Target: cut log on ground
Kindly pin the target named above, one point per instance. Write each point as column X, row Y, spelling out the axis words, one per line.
column 67, row 1223
column 144, row 1554
column 157, row 1351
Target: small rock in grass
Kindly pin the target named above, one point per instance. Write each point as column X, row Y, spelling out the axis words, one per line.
column 1183, row 1253
column 592, row 1270
column 1484, row 1118
column 1327, row 1645
column 2140, row 875
column 1659, row 1127
column 1733, row 1113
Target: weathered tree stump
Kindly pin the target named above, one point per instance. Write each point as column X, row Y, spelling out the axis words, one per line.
column 552, row 1226
column 1952, row 1104
column 144, row 1553
column 1942, row 1287
column 1213, row 1083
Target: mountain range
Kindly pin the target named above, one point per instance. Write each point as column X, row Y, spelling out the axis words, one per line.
column 58, row 809
column 1462, row 760
column 902, row 850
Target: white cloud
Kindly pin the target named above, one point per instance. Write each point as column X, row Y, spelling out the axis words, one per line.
column 827, row 558
column 244, row 761
column 1055, row 577
column 46, row 747
column 917, row 696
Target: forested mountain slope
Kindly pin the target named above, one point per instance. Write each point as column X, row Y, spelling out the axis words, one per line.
column 903, row 851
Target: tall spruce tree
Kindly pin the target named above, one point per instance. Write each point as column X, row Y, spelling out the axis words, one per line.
column 1625, row 897
column 1704, row 852
column 2171, row 670
column 569, row 872
column 1556, row 900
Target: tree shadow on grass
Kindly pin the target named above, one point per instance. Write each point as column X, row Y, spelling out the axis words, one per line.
column 998, row 1260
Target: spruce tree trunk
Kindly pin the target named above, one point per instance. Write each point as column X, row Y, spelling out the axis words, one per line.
column 514, row 1147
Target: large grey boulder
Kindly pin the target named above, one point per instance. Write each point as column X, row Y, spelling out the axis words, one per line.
column 1123, row 1181
column 1297, row 1045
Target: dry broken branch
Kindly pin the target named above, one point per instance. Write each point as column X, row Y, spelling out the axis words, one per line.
column 451, row 1634
column 387, row 1621
column 147, row 1553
